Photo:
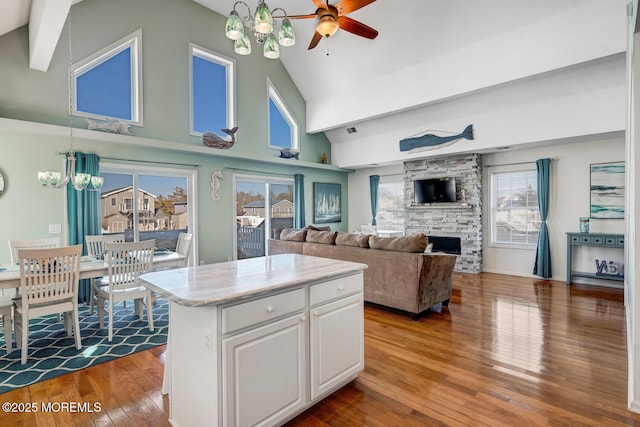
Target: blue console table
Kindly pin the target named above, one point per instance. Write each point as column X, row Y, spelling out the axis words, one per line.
column 591, row 239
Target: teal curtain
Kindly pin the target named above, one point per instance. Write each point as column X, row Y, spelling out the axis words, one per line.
column 83, row 212
column 298, row 201
column 374, row 180
column 542, row 267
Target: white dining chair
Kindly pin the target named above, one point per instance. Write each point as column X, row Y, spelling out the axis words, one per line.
column 15, row 245
column 183, row 247
column 6, row 314
column 48, row 285
column 96, row 248
column 126, row 261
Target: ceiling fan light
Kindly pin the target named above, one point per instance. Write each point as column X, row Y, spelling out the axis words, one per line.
column 271, row 48
column 327, row 26
column 234, row 28
column 242, row 46
column 286, row 35
column 263, row 20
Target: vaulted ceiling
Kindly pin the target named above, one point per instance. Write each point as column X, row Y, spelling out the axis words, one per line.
column 427, row 51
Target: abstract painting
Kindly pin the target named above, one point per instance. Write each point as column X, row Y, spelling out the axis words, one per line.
column 607, row 190
column 326, row 203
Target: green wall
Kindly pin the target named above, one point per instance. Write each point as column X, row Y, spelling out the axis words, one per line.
column 168, row 26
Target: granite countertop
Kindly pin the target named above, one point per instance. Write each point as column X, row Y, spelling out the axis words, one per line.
column 223, row 282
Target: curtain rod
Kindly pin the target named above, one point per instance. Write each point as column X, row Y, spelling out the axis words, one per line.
column 150, row 161
column 260, row 172
column 514, row 164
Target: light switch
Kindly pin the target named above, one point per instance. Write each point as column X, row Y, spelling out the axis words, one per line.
column 55, row 228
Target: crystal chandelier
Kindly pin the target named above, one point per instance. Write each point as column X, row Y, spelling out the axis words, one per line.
column 262, row 24
column 80, row 181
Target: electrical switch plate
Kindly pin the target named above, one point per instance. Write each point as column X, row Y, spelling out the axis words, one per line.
column 55, row 228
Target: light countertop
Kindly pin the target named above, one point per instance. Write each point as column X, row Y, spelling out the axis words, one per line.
column 213, row 284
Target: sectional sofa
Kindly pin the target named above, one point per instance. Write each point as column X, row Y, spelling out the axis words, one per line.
column 400, row 274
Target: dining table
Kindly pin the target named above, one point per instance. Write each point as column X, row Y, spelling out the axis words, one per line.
column 90, row 267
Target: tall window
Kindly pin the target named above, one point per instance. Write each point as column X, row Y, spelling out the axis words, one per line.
column 212, row 89
column 515, row 216
column 390, row 215
column 108, row 84
column 283, row 129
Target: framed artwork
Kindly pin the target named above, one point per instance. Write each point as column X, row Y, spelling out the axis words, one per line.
column 327, row 203
column 607, row 190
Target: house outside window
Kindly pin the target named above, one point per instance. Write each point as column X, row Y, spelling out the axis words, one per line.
column 390, row 214
column 515, row 214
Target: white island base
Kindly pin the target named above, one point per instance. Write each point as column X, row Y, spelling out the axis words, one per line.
column 256, row 342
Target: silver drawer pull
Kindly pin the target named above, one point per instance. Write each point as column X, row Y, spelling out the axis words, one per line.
column 270, row 309
column 316, row 313
column 303, row 318
column 341, row 288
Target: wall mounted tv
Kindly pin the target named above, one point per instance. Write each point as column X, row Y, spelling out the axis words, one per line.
column 435, row 190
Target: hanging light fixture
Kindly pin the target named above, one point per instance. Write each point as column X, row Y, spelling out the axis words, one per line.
column 262, row 24
column 80, row 181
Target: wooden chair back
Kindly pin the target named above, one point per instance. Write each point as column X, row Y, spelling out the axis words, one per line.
column 49, row 275
column 127, row 261
column 96, row 244
column 15, row 245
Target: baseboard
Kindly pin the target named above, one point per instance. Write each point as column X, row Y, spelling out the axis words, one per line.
column 635, row 406
column 509, row 273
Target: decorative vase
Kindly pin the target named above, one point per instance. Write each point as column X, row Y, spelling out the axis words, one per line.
column 584, row 224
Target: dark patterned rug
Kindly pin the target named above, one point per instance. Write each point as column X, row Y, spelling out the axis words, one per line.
column 53, row 353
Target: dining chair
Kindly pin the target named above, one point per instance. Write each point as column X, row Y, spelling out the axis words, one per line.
column 126, row 262
column 183, row 247
column 96, row 248
column 48, row 285
column 6, row 314
column 14, row 245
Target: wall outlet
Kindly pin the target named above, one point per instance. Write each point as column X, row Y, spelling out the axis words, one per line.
column 55, row 228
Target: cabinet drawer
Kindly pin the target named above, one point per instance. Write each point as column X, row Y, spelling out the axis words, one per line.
column 575, row 239
column 585, row 239
column 610, row 241
column 254, row 312
column 620, row 241
column 335, row 289
column 597, row 240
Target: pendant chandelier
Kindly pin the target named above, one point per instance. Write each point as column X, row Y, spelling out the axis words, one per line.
column 80, row 181
column 262, row 24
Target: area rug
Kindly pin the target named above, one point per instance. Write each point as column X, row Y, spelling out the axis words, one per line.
column 53, row 353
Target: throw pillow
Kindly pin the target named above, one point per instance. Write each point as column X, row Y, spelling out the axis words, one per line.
column 352, row 239
column 277, row 231
column 293, row 234
column 324, row 237
column 316, row 228
column 413, row 243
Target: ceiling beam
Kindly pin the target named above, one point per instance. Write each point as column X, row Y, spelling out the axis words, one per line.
column 45, row 26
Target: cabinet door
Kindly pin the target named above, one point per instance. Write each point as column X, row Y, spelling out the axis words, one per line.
column 337, row 343
column 263, row 373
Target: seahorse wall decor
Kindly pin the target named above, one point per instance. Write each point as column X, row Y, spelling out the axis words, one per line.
column 216, row 178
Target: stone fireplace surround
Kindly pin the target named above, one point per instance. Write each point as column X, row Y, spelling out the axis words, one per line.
column 462, row 219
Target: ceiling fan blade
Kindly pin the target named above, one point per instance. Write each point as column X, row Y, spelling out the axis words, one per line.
column 320, row 3
column 348, row 6
column 297, row 16
column 315, row 40
column 357, row 28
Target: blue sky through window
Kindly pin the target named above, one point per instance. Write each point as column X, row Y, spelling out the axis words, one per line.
column 105, row 89
column 209, row 96
column 279, row 128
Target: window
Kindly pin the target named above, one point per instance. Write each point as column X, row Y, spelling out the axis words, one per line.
column 283, row 129
column 212, row 89
column 390, row 215
column 108, row 84
column 515, row 216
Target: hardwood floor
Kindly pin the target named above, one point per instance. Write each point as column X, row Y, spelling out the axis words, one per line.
column 508, row 351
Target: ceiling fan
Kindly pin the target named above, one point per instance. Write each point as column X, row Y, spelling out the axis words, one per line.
column 332, row 17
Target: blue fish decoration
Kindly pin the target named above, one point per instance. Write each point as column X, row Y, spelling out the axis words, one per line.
column 285, row 153
column 430, row 140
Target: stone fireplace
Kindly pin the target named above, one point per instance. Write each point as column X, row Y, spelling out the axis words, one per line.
column 456, row 220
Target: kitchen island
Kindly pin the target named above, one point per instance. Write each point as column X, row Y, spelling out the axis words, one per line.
column 257, row 341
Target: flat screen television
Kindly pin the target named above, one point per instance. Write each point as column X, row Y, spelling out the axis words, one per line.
column 435, row 190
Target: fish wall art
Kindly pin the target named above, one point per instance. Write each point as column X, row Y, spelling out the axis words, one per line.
column 430, row 141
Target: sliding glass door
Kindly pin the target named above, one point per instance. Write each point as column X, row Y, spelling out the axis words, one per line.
column 263, row 206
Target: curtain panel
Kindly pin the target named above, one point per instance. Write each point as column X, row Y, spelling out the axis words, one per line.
column 298, row 201
column 542, row 266
column 374, row 181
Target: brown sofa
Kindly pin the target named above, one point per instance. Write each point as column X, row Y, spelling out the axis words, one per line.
column 400, row 274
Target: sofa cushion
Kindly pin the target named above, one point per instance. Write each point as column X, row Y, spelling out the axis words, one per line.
column 413, row 243
column 352, row 239
column 293, row 234
column 325, row 237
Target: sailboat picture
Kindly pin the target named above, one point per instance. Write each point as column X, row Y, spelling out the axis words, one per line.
column 326, row 203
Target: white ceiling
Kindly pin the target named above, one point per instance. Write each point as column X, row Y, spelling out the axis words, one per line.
column 427, row 50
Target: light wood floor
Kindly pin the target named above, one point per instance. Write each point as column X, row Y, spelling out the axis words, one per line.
column 509, row 351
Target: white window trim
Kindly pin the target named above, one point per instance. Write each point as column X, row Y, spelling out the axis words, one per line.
column 494, row 170
column 230, row 66
column 272, row 93
column 133, row 41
